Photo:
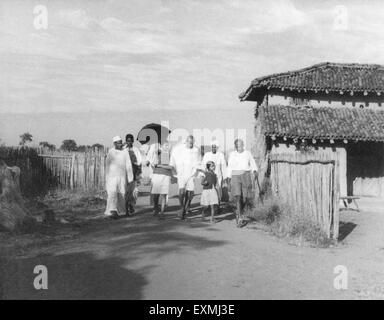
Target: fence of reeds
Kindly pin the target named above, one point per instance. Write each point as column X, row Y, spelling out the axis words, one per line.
column 309, row 184
column 43, row 170
column 76, row 170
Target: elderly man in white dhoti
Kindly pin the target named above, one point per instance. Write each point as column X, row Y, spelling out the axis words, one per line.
column 186, row 160
column 119, row 173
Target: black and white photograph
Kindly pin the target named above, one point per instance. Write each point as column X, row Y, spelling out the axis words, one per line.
column 191, row 150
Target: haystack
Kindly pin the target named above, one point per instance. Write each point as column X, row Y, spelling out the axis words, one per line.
column 13, row 214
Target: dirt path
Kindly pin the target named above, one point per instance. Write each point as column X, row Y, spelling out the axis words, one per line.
column 144, row 258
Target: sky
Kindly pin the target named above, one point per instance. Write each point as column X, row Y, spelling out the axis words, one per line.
column 119, row 55
column 164, row 58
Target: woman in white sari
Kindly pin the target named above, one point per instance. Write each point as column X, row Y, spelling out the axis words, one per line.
column 118, row 173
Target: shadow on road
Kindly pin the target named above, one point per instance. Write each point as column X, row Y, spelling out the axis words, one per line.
column 79, row 275
column 345, row 228
column 107, row 259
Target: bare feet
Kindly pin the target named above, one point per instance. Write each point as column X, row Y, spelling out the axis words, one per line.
column 114, row 215
column 182, row 215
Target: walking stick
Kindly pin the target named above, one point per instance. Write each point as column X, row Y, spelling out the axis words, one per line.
column 221, row 187
column 260, row 192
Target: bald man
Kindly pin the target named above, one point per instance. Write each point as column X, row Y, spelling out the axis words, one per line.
column 240, row 166
column 186, row 160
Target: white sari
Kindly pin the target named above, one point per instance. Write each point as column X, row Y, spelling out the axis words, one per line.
column 118, row 173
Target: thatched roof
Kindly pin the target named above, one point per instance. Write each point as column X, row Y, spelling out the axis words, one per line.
column 322, row 123
column 329, row 77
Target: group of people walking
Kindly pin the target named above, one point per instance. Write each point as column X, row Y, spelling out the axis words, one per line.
column 125, row 165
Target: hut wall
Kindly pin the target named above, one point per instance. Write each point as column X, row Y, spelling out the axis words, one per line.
column 340, row 153
column 259, row 150
column 342, row 162
column 307, row 183
column 321, row 99
column 366, row 169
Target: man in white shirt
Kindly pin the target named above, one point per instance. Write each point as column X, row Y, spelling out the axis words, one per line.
column 220, row 165
column 240, row 165
column 186, row 160
column 136, row 159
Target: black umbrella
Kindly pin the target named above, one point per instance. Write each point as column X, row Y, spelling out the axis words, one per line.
column 153, row 133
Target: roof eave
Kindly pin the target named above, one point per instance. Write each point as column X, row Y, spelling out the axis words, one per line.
column 253, row 93
column 359, row 139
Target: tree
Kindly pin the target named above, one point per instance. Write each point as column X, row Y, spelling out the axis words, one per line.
column 69, row 145
column 83, row 148
column 97, row 146
column 49, row 146
column 25, row 138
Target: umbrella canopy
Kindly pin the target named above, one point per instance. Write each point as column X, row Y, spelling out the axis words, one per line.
column 153, row 133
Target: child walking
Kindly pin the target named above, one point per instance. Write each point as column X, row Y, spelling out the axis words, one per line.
column 209, row 196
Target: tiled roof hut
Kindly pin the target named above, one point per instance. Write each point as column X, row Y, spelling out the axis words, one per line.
column 328, row 105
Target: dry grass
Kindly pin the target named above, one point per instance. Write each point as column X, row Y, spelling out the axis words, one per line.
column 75, row 198
column 74, row 212
column 65, row 206
column 282, row 222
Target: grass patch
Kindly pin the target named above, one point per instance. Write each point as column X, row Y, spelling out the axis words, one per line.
column 68, row 206
column 74, row 212
column 283, row 222
column 266, row 212
column 67, row 199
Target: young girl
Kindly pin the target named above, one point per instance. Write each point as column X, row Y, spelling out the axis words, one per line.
column 209, row 196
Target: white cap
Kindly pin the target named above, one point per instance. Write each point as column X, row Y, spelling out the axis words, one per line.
column 116, row 138
column 215, row 143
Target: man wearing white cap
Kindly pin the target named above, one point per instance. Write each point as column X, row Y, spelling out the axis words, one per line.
column 118, row 173
column 220, row 165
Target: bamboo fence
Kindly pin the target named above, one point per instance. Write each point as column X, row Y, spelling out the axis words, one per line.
column 43, row 170
column 76, row 170
column 309, row 184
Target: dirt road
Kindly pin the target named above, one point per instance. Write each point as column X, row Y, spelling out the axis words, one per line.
column 144, row 258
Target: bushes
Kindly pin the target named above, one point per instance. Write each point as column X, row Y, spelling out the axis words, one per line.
column 302, row 227
column 267, row 212
column 282, row 222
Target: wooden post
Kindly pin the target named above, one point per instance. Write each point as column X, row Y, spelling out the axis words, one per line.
column 336, row 200
column 71, row 184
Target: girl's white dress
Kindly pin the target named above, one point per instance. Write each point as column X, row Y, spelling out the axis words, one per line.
column 118, row 173
column 209, row 197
